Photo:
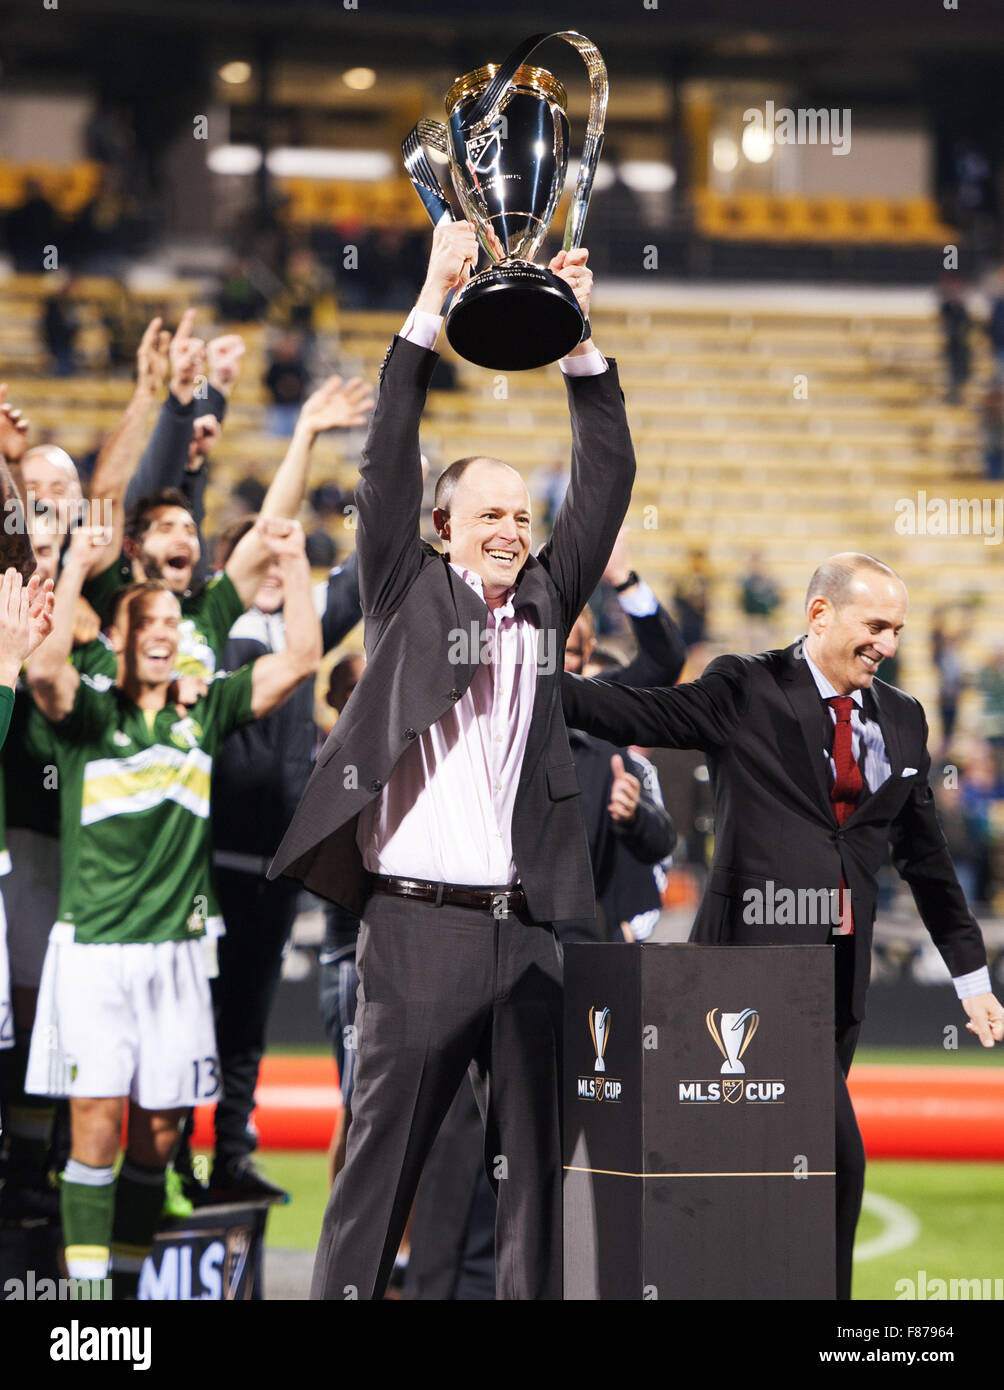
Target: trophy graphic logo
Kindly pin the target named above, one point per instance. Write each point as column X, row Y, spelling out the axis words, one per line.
column 599, row 1031
column 733, row 1035
column 505, row 147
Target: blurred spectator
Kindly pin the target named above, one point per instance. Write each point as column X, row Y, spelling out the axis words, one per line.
column 691, row 597
column 992, row 428
column 30, row 228
column 250, row 494
column 287, row 380
column 955, row 323
column 991, row 684
column 321, row 551
column 307, row 283
column 551, row 484
column 239, row 299
column 99, row 232
column 759, row 599
column 995, row 325
column 59, row 329
column 951, row 679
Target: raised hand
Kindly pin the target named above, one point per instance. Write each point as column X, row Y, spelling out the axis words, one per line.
column 571, row 267
column 337, row 405
column 25, row 620
column 454, row 255
column 625, row 792
column 206, row 431
column 283, row 539
column 13, row 429
column 224, row 354
column 87, row 546
column 188, row 359
column 152, row 358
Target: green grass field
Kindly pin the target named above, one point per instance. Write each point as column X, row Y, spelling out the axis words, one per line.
column 959, row 1207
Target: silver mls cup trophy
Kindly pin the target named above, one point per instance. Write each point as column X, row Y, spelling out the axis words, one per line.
column 506, row 148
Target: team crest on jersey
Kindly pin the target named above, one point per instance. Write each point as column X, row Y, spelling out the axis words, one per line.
column 186, row 733
column 120, row 739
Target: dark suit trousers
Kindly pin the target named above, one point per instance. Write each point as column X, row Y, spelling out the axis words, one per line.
column 850, row 1156
column 443, row 990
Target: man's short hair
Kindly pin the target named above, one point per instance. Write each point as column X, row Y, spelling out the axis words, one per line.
column 446, row 483
column 139, row 515
column 834, row 579
column 122, row 599
column 226, row 541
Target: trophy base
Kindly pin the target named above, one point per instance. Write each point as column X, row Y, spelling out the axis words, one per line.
column 513, row 317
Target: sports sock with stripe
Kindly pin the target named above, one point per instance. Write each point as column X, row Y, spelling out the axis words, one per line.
column 87, row 1203
column 138, row 1204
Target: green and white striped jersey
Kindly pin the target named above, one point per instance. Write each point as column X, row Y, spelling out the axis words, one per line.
column 134, row 801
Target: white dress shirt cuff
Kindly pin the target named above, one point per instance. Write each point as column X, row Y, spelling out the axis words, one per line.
column 976, row 982
column 422, row 329
column 638, row 601
column 589, row 364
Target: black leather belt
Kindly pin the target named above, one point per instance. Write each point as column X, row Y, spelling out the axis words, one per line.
column 458, row 894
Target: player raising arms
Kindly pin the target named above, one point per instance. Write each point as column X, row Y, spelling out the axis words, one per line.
column 124, row 1008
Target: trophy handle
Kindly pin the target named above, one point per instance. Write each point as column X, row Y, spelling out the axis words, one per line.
column 415, row 147
column 486, row 108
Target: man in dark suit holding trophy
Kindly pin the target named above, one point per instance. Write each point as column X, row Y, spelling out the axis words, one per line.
column 444, row 806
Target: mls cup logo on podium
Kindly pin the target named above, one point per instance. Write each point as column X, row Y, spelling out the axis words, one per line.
column 733, row 1037
column 599, row 1031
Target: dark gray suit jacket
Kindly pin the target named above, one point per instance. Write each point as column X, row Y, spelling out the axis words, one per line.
column 764, row 728
column 413, row 601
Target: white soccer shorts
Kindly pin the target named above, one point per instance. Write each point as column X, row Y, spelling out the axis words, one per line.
column 133, row 1019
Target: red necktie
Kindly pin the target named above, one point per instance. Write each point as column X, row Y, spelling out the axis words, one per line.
column 845, row 792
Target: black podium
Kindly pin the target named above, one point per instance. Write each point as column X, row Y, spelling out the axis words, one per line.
column 698, row 1122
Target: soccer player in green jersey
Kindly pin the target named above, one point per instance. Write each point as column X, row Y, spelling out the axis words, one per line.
column 124, row 1008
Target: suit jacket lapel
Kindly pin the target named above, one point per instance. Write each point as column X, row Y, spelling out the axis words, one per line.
column 877, row 709
column 803, row 697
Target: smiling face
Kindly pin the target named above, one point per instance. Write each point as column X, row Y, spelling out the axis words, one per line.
column 487, row 529
column 848, row 643
column 146, row 634
column 168, row 550
column 271, row 592
column 49, row 474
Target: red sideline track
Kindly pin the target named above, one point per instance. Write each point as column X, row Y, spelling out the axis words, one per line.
column 903, row 1111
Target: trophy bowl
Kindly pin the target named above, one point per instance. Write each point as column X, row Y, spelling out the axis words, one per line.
column 508, row 179
column 506, row 147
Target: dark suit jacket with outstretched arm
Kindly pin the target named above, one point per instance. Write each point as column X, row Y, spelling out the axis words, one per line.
column 414, row 605
column 763, row 727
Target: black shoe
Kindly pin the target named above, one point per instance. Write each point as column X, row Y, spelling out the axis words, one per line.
column 240, row 1180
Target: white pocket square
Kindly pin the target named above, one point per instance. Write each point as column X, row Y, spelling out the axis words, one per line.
column 908, row 772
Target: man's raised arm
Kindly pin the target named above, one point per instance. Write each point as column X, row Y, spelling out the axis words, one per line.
column 52, row 676
column 277, row 675
column 335, row 405
column 388, row 494
column 603, row 462
column 119, row 456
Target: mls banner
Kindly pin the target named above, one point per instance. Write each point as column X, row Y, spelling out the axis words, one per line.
column 698, row 1122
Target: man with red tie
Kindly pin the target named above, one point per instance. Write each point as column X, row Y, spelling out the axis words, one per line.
column 818, row 770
